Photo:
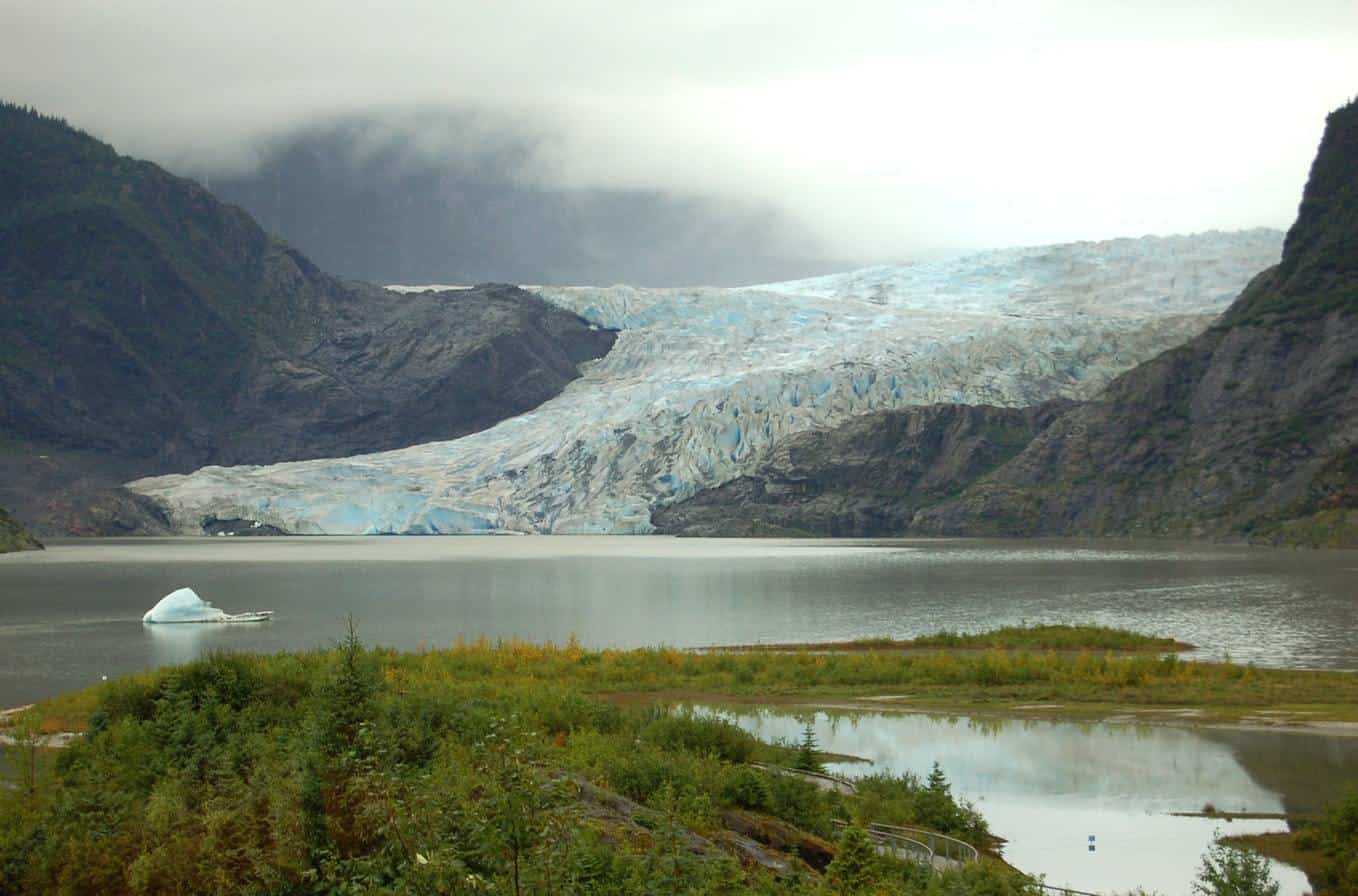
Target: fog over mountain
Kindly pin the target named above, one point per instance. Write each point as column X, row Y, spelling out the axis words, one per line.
column 377, row 199
column 589, row 134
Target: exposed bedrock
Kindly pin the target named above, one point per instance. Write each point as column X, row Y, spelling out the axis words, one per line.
column 865, row 477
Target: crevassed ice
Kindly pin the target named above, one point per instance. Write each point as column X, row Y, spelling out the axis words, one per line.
column 702, row 381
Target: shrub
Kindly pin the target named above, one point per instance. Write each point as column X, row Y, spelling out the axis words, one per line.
column 1227, row 871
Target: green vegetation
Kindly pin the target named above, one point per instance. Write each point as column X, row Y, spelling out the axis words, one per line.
column 533, row 768
column 808, row 752
column 481, row 769
column 1227, row 871
column 14, row 537
column 1083, row 683
column 1054, row 637
column 1326, row 850
column 1014, row 637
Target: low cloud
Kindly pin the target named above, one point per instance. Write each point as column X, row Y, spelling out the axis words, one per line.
column 887, row 129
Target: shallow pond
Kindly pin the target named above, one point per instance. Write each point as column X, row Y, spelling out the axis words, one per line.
column 1049, row 787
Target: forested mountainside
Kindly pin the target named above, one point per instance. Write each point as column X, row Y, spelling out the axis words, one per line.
column 1249, row 430
column 150, row 328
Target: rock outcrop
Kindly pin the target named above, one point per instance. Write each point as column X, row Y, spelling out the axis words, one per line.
column 866, row 477
column 149, row 328
column 1249, row 430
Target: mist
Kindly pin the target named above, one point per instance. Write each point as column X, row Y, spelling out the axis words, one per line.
column 865, row 131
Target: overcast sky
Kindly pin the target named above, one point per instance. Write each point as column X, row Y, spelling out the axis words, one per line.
column 890, row 127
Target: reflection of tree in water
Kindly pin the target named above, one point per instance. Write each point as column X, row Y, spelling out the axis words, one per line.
column 1307, row 770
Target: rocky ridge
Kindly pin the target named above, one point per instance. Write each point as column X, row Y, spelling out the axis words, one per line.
column 149, row 328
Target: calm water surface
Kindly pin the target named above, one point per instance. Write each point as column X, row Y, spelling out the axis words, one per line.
column 72, row 613
column 1048, row 787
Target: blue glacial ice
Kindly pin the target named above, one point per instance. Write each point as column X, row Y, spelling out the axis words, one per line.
column 703, row 381
column 184, row 605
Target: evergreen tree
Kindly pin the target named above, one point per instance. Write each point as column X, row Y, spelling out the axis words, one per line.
column 855, row 865
column 807, row 759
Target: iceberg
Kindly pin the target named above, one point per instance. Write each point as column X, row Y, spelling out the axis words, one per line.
column 184, row 605
column 703, row 382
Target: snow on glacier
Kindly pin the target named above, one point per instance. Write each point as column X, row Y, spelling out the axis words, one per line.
column 702, row 381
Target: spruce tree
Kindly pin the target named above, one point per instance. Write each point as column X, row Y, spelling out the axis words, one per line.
column 855, row 865
column 807, row 759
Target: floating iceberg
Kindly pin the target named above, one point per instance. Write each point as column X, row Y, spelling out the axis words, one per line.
column 184, row 605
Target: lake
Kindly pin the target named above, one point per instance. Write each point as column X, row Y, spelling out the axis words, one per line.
column 1049, row 787
column 71, row 614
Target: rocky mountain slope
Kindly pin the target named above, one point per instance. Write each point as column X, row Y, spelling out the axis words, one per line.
column 703, row 383
column 148, row 327
column 13, row 537
column 1248, row 430
column 865, row 477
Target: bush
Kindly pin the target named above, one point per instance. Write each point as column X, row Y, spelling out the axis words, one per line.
column 1227, row 871
column 748, row 789
column 703, row 735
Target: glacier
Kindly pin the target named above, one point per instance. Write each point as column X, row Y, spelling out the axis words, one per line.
column 703, row 381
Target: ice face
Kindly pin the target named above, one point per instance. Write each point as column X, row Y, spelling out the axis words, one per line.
column 702, row 381
column 183, row 605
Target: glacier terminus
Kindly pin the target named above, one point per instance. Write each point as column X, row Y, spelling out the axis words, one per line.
column 703, row 381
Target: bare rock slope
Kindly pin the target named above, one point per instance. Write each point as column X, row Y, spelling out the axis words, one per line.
column 866, row 477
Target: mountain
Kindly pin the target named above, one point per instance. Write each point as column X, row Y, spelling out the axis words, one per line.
column 702, row 384
column 148, row 327
column 13, row 537
column 865, row 477
column 444, row 199
column 1248, row 430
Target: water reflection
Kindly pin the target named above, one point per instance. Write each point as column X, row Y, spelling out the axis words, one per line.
column 172, row 644
column 1048, row 786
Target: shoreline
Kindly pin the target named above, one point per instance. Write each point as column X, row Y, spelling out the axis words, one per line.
column 1168, row 717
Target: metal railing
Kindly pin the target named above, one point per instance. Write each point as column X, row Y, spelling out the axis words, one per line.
column 901, row 846
column 941, row 845
column 915, row 841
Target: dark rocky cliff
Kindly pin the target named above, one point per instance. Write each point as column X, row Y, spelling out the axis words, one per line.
column 149, row 328
column 864, row 478
column 1249, row 430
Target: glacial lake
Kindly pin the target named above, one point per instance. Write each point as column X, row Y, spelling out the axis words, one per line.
column 1048, row 787
column 72, row 613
